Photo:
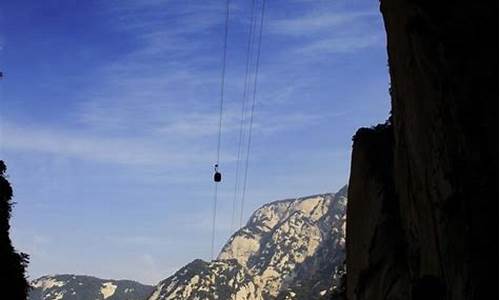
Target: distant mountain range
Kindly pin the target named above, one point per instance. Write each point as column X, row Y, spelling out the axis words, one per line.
column 289, row 249
column 77, row 287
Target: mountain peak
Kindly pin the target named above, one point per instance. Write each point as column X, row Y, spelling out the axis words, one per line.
column 342, row 192
column 284, row 245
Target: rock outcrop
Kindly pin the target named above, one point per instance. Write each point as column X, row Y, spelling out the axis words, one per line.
column 13, row 284
column 78, row 287
column 289, row 249
column 423, row 192
column 375, row 240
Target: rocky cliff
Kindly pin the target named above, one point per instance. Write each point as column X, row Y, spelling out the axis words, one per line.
column 289, row 249
column 423, row 193
column 78, row 287
column 13, row 283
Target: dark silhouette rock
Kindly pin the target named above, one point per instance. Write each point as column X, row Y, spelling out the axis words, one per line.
column 428, row 288
column 375, row 245
column 13, row 282
column 423, row 193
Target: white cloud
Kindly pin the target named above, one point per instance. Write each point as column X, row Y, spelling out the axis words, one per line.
column 176, row 143
column 322, row 33
column 346, row 44
column 313, row 23
column 129, row 151
column 199, row 124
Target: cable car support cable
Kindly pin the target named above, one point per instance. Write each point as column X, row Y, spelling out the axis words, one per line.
column 259, row 46
column 217, row 176
column 243, row 111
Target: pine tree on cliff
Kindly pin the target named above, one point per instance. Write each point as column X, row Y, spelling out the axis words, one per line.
column 13, row 283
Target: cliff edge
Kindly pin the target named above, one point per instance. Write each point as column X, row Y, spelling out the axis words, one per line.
column 422, row 219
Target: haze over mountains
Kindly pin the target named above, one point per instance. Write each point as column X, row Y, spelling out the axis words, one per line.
column 289, row 249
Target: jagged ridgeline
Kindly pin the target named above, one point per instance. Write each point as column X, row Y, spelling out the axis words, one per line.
column 289, row 249
column 75, row 287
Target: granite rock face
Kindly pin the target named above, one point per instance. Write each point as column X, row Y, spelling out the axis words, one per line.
column 423, row 192
column 289, row 249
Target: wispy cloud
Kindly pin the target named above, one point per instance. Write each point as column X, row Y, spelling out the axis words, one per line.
column 163, row 75
column 314, row 23
column 322, row 33
column 175, row 143
column 339, row 45
column 128, row 151
column 265, row 122
column 163, row 27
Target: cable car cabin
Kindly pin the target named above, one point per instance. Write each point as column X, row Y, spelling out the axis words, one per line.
column 217, row 175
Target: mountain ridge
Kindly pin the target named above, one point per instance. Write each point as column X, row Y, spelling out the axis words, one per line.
column 288, row 249
column 85, row 287
column 274, row 256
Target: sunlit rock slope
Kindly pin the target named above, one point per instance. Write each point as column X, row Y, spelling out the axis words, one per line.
column 75, row 287
column 289, row 249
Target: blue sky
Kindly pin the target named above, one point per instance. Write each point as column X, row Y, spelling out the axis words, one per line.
column 108, row 121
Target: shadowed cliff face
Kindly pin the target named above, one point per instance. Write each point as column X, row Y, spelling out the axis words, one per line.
column 375, row 245
column 12, row 264
column 423, row 200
